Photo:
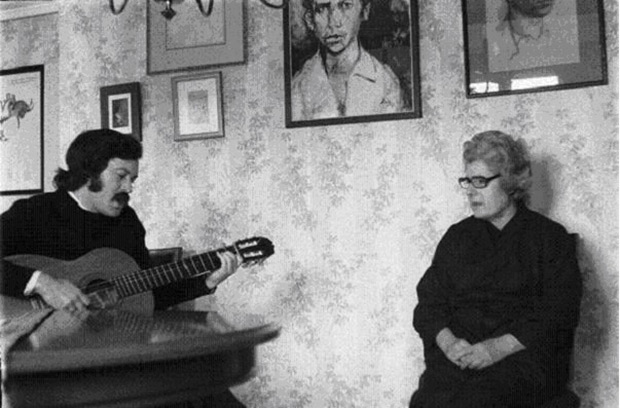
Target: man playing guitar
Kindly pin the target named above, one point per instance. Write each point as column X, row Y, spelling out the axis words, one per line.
column 89, row 211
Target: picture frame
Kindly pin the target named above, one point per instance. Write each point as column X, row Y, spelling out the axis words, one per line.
column 185, row 42
column 121, row 108
column 198, row 107
column 22, row 130
column 384, row 83
column 561, row 45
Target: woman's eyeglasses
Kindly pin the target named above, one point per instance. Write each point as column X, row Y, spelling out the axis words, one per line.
column 477, row 181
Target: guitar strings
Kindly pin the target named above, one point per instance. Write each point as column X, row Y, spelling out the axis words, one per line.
column 141, row 277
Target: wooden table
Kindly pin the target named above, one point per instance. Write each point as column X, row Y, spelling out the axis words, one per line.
column 115, row 358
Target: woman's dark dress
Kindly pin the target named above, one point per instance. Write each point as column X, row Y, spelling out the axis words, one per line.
column 484, row 283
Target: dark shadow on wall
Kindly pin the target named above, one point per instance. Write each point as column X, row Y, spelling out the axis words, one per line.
column 593, row 335
column 541, row 193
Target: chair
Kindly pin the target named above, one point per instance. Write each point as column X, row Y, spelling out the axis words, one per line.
column 568, row 399
column 162, row 256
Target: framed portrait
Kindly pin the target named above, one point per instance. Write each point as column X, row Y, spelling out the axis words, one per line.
column 21, row 130
column 533, row 46
column 360, row 65
column 191, row 40
column 197, row 101
column 121, row 108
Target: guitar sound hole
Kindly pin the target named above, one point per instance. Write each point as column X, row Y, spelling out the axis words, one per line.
column 96, row 285
column 102, row 294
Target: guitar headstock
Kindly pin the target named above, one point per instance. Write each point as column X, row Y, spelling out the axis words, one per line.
column 255, row 249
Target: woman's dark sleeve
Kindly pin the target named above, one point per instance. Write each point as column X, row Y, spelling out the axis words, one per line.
column 556, row 308
column 432, row 312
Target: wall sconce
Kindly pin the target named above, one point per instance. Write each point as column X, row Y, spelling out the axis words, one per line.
column 169, row 12
column 275, row 6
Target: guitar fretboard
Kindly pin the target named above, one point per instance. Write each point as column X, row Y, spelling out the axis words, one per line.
column 148, row 279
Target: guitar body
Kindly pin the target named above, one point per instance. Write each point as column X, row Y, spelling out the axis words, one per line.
column 92, row 270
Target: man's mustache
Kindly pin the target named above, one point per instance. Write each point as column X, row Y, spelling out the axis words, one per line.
column 122, row 198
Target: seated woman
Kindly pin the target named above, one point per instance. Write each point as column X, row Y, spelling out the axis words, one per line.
column 499, row 304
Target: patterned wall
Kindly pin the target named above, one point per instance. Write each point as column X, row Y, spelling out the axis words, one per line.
column 355, row 211
column 27, row 42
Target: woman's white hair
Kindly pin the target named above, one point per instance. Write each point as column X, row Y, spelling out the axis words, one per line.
column 505, row 155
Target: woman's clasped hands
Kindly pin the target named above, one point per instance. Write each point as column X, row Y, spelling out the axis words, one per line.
column 477, row 356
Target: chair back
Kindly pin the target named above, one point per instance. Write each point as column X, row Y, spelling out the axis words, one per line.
column 162, row 256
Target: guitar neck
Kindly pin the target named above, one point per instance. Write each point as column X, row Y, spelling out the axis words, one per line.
column 149, row 279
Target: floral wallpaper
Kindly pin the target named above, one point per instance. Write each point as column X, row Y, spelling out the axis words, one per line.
column 28, row 42
column 355, row 211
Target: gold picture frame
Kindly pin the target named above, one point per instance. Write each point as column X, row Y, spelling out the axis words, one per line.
column 187, row 42
column 198, row 108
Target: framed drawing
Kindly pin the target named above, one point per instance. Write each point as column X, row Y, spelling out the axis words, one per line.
column 21, row 130
column 121, row 108
column 533, row 46
column 197, row 101
column 191, row 40
column 377, row 80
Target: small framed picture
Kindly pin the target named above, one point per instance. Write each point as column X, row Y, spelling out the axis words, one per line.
column 533, row 46
column 198, row 112
column 121, row 108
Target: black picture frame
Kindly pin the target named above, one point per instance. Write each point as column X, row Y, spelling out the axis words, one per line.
column 125, row 103
column 390, row 36
column 22, row 125
column 563, row 49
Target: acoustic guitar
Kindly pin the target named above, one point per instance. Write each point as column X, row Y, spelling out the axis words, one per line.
column 111, row 278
